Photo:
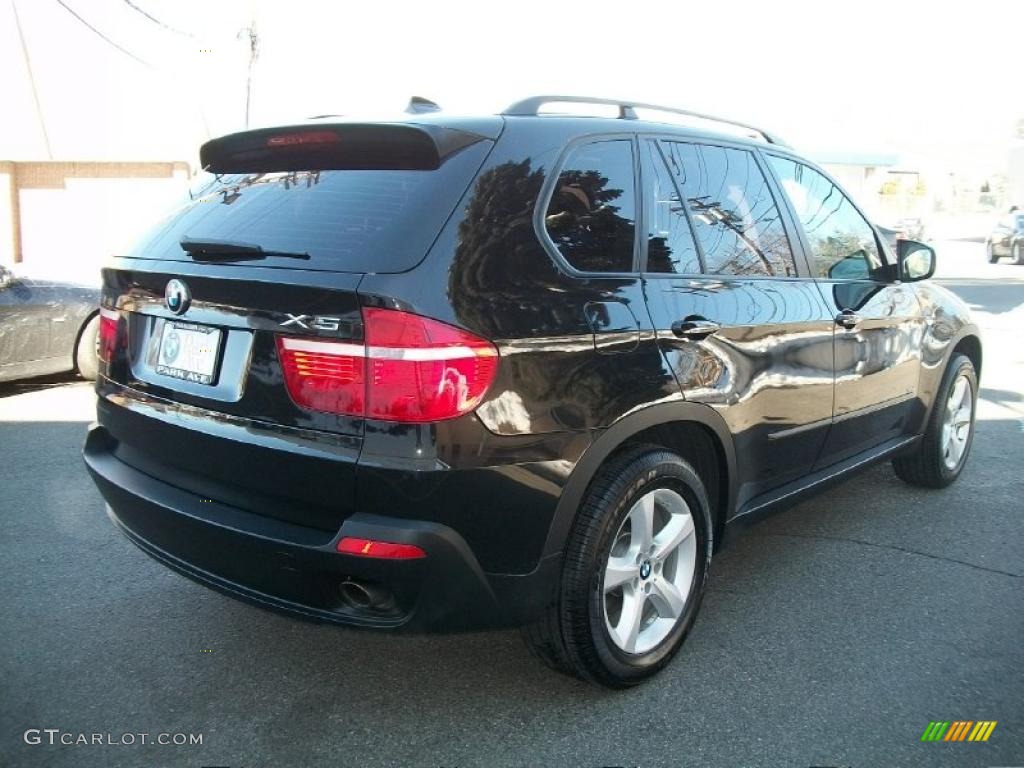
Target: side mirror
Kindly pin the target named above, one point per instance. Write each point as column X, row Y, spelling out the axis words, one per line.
column 916, row 260
column 6, row 277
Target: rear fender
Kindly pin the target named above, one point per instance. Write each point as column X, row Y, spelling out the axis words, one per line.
column 613, row 438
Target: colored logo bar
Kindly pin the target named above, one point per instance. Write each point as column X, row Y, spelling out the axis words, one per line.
column 958, row 730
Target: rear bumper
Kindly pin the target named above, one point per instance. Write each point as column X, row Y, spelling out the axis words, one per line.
column 295, row 569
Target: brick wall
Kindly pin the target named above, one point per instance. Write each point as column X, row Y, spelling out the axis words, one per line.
column 63, row 219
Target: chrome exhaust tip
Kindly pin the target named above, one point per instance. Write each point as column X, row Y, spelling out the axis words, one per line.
column 364, row 596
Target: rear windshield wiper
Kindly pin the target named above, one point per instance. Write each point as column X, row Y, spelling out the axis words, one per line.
column 229, row 250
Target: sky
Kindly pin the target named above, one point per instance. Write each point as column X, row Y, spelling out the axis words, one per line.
column 929, row 81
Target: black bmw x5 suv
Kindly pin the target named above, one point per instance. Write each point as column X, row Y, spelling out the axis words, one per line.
column 524, row 370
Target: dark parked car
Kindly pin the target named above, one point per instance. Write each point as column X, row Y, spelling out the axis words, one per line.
column 46, row 326
column 1007, row 239
column 520, row 370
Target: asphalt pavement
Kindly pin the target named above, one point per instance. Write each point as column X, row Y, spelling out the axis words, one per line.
column 830, row 635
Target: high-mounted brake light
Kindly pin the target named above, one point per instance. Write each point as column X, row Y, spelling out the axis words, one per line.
column 109, row 320
column 411, row 369
column 304, row 139
column 383, row 549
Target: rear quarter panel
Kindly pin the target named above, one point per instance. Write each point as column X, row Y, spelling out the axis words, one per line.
column 489, row 272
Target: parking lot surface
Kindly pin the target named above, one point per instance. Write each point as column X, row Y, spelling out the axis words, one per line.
column 830, row 635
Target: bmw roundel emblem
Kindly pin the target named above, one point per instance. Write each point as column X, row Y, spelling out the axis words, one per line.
column 176, row 296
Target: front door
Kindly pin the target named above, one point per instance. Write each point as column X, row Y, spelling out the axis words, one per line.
column 878, row 322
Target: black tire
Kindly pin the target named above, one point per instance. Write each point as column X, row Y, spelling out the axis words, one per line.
column 990, row 253
column 572, row 636
column 86, row 362
column 1017, row 253
column 926, row 466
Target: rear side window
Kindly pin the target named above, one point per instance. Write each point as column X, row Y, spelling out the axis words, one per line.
column 843, row 245
column 346, row 220
column 592, row 214
column 734, row 215
column 670, row 244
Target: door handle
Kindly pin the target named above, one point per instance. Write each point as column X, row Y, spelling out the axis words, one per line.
column 694, row 328
column 848, row 319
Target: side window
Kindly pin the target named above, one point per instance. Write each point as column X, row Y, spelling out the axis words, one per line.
column 734, row 215
column 843, row 245
column 592, row 213
column 670, row 244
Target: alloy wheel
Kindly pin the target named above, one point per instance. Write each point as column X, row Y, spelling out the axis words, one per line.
column 649, row 572
column 956, row 425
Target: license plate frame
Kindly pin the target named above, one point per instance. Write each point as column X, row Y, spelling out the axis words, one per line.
column 189, row 352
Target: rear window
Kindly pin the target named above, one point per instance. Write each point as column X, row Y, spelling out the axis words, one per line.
column 346, row 220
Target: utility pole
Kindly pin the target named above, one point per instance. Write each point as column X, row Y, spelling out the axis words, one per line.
column 254, row 53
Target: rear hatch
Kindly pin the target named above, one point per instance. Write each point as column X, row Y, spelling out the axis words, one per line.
column 271, row 246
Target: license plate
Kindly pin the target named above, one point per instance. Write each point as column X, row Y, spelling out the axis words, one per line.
column 189, row 352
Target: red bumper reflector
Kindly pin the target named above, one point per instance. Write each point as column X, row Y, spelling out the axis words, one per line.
column 383, row 549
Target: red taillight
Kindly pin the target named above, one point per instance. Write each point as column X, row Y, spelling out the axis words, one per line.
column 324, row 375
column 420, row 370
column 411, row 369
column 109, row 320
column 382, row 549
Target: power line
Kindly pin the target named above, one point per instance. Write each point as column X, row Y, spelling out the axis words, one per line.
column 155, row 20
column 32, row 80
column 122, row 49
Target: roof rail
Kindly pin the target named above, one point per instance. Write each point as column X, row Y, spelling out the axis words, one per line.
column 627, row 111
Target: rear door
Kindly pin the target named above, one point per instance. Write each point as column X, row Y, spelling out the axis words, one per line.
column 742, row 330
column 878, row 322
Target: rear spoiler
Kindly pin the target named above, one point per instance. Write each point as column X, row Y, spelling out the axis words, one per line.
column 339, row 146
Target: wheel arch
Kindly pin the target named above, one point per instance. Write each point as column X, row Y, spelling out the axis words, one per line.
column 78, row 335
column 686, row 428
column 970, row 345
column 968, row 342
